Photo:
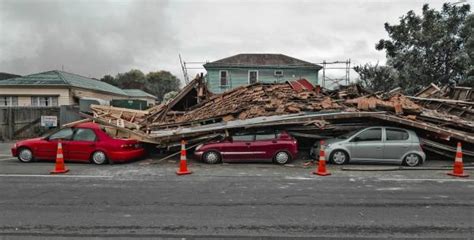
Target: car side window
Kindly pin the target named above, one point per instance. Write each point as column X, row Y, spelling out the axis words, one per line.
column 65, row 133
column 243, row 137
column 396, row 134
column 374, row 134
column 84, row 134
column 268, row 136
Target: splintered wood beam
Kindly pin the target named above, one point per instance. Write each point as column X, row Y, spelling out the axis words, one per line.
column 135, row 134
column 428, row 127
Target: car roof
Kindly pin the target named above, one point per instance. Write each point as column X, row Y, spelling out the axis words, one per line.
column 90, row 125
column 388, row 127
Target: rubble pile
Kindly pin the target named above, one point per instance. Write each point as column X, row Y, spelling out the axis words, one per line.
column 397, row 103
column 255, row 101
column 298, row 106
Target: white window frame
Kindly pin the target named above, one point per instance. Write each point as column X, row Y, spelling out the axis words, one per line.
column 278, row 75
column 9, row 101
column 248, row 76
column 227, row 78
column 36, row 101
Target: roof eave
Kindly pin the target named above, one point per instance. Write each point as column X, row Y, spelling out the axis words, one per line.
column 317, row 67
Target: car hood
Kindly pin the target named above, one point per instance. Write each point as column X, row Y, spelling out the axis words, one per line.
column 29, row 140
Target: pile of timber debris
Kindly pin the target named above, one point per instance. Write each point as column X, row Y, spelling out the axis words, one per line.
column 252, row 101
column 296, row 106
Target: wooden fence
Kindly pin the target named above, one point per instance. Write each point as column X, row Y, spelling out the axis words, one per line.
column 25, row 122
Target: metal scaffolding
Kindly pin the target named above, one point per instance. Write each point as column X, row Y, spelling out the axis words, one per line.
column 336, row 65
column 189, row 65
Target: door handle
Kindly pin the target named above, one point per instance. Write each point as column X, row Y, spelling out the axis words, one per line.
column 247, row 143
column 274, row 141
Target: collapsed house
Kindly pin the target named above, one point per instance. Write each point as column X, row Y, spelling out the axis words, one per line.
column 300, row 108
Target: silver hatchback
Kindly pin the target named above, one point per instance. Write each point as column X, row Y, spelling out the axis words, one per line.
column 374, row 144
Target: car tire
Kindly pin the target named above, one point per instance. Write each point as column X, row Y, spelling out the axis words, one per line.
column 25, row 155
column 412, row 160
column 282, row 158
column 339, row 157
column 99, row 158
column 211, row 157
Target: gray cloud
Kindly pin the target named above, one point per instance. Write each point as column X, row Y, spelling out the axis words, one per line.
column 100, row 37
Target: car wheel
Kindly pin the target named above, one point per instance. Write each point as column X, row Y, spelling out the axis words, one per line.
column 25, row 155
column 339, row 157
column 282, row 158
column 99, row 158
column 412, row 160
column 211, row 157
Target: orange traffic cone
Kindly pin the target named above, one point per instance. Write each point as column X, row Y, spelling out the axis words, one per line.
column 458, row 169
column 183, row 166
column 60, row 168
column 321, row 171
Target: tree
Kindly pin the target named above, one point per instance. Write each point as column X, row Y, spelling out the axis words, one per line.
column 162, row 82
column 468, row 34
column 156, row 83
column 133, row 79
column 377, row 78
column 169, row 95
column 428, row 48
column 108, row 79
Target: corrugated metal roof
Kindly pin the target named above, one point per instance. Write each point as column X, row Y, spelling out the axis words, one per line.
column 261, row 59
column 61, row 78
column 138, row 93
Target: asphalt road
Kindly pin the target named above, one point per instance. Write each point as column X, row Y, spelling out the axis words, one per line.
column 141, row 200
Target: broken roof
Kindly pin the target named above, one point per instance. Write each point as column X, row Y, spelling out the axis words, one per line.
column 262, row 60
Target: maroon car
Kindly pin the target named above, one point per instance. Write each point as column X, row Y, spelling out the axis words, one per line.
column 275, row 146
column 85, row 142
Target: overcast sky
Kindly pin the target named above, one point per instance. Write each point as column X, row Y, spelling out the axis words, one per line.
column 94, row 38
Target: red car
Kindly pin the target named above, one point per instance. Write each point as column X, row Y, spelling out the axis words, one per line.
column 85, row 142
column 278, row 147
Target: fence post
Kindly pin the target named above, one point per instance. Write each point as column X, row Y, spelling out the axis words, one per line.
column 11, row 123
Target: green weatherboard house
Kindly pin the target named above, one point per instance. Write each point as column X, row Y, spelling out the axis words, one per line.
column 243, row 69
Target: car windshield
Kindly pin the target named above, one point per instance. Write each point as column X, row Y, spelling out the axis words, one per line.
column 347, row 135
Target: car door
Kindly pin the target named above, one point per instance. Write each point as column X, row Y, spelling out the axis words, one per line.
column 367, row 145
column 396, row 143
column 48, row 147
column 238, row 148
column 265, row 146
column 82, row 145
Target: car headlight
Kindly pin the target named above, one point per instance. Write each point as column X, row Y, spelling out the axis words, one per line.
column 199, row 146
column 326, row 146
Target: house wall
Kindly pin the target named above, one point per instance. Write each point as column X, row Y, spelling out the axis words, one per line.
column 81, row 93
column 239, row 76
column 148, row 100
column 78, row 92
column 24, row 94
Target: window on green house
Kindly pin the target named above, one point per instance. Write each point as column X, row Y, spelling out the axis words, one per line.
column 224, row 78
column 7, row 101
column 278, row 73
column 253, row 76
column 44, row 101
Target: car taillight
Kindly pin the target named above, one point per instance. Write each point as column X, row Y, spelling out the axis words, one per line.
column 127, row 146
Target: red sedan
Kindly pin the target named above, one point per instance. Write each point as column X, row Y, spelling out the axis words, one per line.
column 85, row 142
column 278, row 147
